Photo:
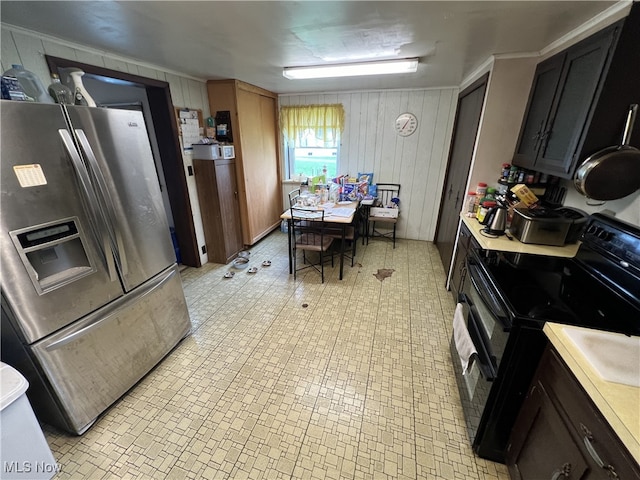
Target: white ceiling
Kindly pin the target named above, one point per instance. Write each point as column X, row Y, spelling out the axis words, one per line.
column 252, row 41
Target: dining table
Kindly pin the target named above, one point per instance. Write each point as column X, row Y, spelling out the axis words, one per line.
column 341, row 215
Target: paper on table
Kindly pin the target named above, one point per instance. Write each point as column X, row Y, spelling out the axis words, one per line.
column 340, row 212
column 308, row 214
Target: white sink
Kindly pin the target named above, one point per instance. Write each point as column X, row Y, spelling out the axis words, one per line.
column 614, row 356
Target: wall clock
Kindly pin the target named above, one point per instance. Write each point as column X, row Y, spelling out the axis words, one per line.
column 406, row 124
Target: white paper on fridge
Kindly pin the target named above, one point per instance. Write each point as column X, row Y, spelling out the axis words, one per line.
column 30, row 175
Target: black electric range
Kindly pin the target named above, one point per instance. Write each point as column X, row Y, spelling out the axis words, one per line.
column 508, row 298
column 598, row 288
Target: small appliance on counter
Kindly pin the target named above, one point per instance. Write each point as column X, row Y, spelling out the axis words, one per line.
column 206, row 151
column 212, row 151
column 544, row 226
column 495, row 221
column 580, row 219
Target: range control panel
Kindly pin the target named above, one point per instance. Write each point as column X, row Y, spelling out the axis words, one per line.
column 619, row 241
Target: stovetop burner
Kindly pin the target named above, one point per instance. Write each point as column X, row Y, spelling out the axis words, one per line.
column 599, row 288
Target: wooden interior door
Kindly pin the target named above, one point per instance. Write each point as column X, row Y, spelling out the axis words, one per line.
column 463, row 141
column 262, row 189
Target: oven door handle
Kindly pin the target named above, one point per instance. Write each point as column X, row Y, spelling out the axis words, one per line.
column 464, row 298
column 488, row 294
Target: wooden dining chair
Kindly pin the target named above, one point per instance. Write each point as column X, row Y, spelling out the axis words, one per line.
column 386, row 193
column 309, row 231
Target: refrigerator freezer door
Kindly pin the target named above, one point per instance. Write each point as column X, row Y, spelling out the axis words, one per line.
column 93, row 362
column 41, row 191
column 115, row 144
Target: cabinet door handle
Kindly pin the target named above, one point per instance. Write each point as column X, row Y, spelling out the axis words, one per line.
column 587, row 438
column 544, row 139
column 563, row 472
column 536, row 137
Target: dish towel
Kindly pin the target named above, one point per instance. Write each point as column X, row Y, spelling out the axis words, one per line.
column 464, row 345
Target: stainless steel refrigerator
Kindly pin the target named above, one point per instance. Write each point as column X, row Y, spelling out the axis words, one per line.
column 91, row 294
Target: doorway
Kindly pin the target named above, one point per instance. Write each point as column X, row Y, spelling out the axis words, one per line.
column 463, row 141
column 163, row 127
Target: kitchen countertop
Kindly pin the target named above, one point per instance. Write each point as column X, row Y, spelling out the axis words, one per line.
column 503, row 244
column 619, row 404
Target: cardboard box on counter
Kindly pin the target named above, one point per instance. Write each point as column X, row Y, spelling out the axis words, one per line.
column 524, row 194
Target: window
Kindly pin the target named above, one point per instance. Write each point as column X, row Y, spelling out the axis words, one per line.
column 312, row 138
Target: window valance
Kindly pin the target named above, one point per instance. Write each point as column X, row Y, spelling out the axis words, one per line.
column 326, row 121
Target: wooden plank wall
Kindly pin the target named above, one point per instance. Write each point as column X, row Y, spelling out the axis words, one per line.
column 417, row 162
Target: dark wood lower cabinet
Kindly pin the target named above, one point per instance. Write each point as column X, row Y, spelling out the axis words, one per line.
column 219, row 207
column 560, row 434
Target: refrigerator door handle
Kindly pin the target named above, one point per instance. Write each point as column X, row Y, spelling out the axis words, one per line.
column 85, row 183
column 110, row 213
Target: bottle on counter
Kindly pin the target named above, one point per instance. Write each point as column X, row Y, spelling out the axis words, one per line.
column 506, row 168
column 59, row 92
column 30, row 83
column 481, row 190
column 470, row 205
column 513, row 174
column 82, row 96
column 484, row 209
column 12, row 89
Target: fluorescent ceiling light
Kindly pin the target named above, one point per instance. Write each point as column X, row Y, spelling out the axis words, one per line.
column 407, row 65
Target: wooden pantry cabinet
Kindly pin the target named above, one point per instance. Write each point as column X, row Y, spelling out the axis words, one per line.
column 254, row 120
column 218, row 199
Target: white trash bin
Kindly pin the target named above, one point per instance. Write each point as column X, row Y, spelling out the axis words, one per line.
column 24, row 452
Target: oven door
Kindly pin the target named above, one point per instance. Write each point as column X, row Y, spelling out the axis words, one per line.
column 493, row 315
column 489, row 323
column 475, row 384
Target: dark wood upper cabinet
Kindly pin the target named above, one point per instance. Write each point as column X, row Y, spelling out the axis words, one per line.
column 580, row 98
column 543, row 90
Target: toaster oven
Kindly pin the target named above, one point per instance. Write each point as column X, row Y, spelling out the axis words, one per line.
column 539, row 226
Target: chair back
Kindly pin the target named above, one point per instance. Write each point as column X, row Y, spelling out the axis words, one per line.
column 294, row 195
column 309, row 229
column 387, row 191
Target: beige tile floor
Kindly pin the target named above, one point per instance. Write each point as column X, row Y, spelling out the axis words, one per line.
column 296, row 379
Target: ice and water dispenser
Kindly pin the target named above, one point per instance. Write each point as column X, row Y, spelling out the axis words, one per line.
column 54, row 253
